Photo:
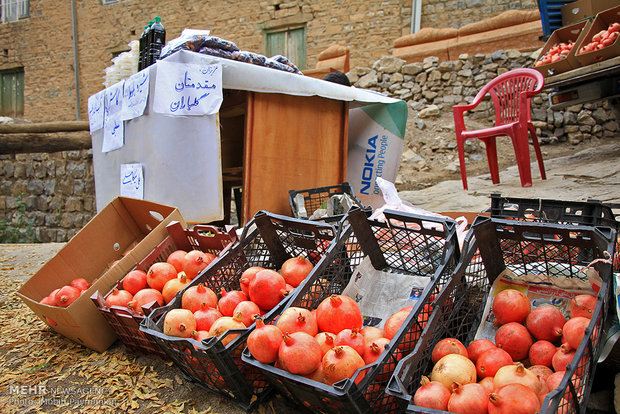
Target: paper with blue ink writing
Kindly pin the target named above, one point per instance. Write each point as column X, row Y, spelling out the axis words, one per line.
column 95, row 111
column 135, row 94
column 182, row 89
column 113, row 124
column 132, row 181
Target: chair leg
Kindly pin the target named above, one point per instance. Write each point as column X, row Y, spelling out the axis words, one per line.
column 491, row 149
column 461, row 151
column 536, row 144
column 522, row 153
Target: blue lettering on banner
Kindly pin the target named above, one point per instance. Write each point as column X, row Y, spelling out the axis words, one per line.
column 367, row 171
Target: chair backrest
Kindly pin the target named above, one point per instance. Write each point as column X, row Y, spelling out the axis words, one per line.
column 511, row 93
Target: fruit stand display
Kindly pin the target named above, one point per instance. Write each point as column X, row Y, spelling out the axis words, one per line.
column 213, row 359
column 341, row 380
column 122, row 307
column 563, row 252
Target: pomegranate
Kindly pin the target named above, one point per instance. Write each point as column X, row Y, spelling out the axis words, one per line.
column 299, row 353
column 176, row 259
column 541, row 352
column 173, row 286
column 247, row 276
column 373, row 350
column 562, row 357
column 225, row 323
column 229, row 301
column 510, row 305
column 295, row 319
column 454, row 368
column 491, row 360
column 179, row 322
column 513, row 399
column 394, row 322
column 487, row 383
column 317, row 375
column 248, row 310
column 541, row 371
column 267, row 289
column 195, row 262
column 553, row 380
column 515, row 339
column 582, row 305
column 516, row 373
column 448, row 346
column 159, row 273
column 574, row 330
column 135, row 281
column 52, row 297
column 66, row 295
column 372, row 332
column 80, row 283
column 326, row 341
column 200, row 336
column 432, row 394
column 340, row 363
column 468, row 399
column 352, row 338
column 545, row 322
column 205, row 317
column 338, row 312
column 295, row 270
column 118, row 298
column 143, row 298
column 195, row 296
column 48, row 300
column 264, row 342
column 477, row 347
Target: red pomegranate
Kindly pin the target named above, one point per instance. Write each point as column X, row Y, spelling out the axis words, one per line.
column 247, row 276
column 513, row 399
column 264, row 342
column 295, row 270
column 173, row 286
column 432, row 394
column 541, row 371
column 491, row 360
column 574, row 330
column 296, row 319
column 468, row 399
column 326, row 340
column 229, row 301
column 562, row 357
column 52, row 297
column 477, row 347
column 510, row 305
column 267, row 289
column 118, row 298
column 66, row 295
column 135, row 281
column 48, row 300
column 195, row 262
column 515, row 339
column 205, row 317
column 225, row 323
column 176, row 259
column 373, row 350
column 195, row 296
column 487, row 383
column 179, row 322
column 541, row 352
column 352, row 338
column 582, row 305
column 248, row 310
column 372, row 332
column 143, row 298
column 340, row 363
column 299, row 353
column 80, row 283
column 159, row 273
column 448, row 346
column 338, row 312
column 545, row 322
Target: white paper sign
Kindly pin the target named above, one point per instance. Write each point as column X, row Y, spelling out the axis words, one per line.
column 183, row 89
column 132, row 181
column 113, row 127
column 96, row 111
column 135, row 94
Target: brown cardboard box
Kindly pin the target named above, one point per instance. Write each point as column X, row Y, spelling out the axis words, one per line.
column 123, row 223
column 601, row 22
column 584, row 9
column 575, row 33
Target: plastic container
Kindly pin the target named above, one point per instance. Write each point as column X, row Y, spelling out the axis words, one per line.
column 267, row 241
column 143, row 46
column 315, row 198
column 403, row 244
column 126, row 323
column 156, row 41
column 551, row 15
column 492, row 245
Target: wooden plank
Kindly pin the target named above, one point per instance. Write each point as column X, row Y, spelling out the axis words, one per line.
column 58, row 126
column 292, row 142
column 611, row 65
column 44, row 142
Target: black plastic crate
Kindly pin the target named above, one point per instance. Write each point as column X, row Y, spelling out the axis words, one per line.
column 315, row 198
column 490, row 247
column 267, row 241
column 403, row 244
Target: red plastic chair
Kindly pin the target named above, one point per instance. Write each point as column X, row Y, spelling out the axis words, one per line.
column 511, row 93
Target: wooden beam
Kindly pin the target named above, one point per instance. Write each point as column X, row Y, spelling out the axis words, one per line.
column 44, row 142
column 58, row 126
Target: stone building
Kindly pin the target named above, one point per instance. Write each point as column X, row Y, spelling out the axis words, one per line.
column 53, row 53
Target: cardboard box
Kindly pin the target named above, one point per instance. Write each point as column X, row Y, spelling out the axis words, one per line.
column 601, row 22
column 123, row 223
column 584, row 9
column 574, row 33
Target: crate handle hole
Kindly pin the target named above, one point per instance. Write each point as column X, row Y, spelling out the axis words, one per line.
column 156, row 215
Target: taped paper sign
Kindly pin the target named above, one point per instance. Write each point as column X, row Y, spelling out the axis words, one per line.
column 96, row 110
column 132, row 181
column 186, row 89
column 135, row 95
column 113, row 127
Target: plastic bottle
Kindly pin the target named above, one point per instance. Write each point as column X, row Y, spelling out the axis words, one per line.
column 157, row 36
column 144, row 45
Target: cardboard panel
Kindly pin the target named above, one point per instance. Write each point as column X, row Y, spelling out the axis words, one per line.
column 601, row 22
column 584, row 9
column 574, row 33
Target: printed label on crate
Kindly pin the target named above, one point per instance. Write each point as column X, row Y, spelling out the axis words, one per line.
column 541, row 289
column 380, row 294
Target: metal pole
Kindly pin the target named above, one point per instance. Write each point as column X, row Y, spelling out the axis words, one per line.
column 416, row 14
column 76, row 71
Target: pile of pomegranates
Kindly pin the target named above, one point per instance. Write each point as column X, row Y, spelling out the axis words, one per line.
column 513, row 374
column 67, row 294
column 203, row 314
